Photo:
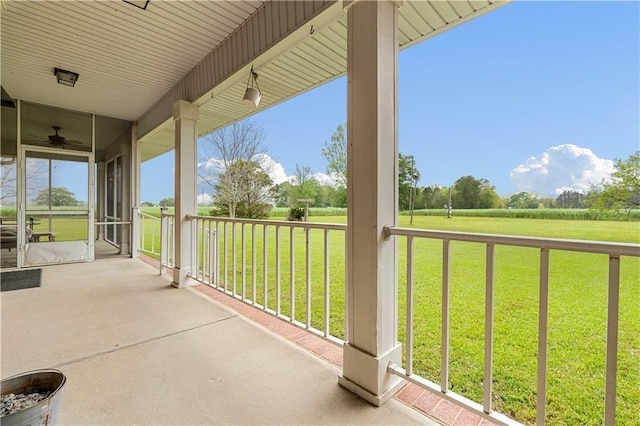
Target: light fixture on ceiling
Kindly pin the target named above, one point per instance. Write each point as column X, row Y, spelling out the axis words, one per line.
column 142, row 4
column 253, row 94
column 65, row 77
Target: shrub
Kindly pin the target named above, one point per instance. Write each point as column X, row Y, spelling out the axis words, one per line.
column 296, row 214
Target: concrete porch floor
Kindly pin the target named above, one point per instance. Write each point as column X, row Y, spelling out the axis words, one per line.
column 137, row 351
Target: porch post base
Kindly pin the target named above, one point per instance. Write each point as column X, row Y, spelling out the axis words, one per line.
column 181, row 279
column 367, row 376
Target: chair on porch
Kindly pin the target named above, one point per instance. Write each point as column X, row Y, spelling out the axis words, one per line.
column 9, row 236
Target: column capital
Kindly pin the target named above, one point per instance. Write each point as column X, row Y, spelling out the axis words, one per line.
column 186, row 110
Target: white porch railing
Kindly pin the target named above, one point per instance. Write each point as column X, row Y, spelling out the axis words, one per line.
column 268, row 264
column 167, row 239
column 614, row 252
column 150, row 229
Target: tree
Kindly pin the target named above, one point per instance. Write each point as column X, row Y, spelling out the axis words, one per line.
column 245, row 190
column 303, row 185
column 408, row 176
column 167, row 202
column 281, row 194
column 339, row 197
column 58, row 196
column 523, row 200
column 570, row 200
column 240, row 141
column 37, row 177
column 435, row 196
column 335, row 152
column 489, row 198
column 622, row 191
column 472, row 193
column 466, row 193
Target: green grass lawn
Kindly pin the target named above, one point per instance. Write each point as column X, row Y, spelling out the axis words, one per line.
column 577, row 309
column 577, row 318
column 577, row 312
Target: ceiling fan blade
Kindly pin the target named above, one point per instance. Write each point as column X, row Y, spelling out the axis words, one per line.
column 78, row 143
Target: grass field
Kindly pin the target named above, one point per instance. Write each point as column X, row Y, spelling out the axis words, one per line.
column 577, row 315
column 577, row 311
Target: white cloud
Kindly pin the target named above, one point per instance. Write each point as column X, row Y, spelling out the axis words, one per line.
column 204, row 199
column 323, row 179
column 561, row 168
column 273, row 168
column 213, row 167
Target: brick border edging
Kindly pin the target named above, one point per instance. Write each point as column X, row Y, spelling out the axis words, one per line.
column 428, row 403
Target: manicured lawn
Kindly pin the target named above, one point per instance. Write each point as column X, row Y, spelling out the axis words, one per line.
column 577, row 309
column 577, row 312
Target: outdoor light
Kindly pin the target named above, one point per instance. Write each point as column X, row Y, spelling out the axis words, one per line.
column 65, row 77
column 142, row 4
column 253, row 94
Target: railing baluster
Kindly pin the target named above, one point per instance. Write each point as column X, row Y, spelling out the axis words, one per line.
column 409, row 308
column 173, row 241
column 292, row 274
column 233, row 256
column 612, row 340
column 212, row 252
column 224, row 255
column 444, row 361
column 327, row 311
column 197, row 244
column 543, row 317
column 141, row 235
column 153, row 235
column 193, row 243
column 278, row 264
column 217, row 254
column 488, row 329
column 202, row 249
column 253, row 263
column 308, row 238
column 265, row 269
column 164, row 241
column 244, row 260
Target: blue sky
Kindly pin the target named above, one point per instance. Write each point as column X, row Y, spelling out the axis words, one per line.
column 537, row 96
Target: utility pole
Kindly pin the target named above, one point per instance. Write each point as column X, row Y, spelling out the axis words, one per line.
column 306, row 202
column 414, row 179
column 449, row 205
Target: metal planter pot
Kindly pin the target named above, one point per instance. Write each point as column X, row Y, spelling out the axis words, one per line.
column 44, row 412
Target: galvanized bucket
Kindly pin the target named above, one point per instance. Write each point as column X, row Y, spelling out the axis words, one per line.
column 46, row 411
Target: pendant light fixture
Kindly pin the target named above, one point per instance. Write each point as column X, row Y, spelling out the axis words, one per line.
column 253, row 94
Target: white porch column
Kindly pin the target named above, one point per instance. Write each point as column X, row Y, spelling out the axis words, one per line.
column 101, row 197
column 372, row 156
column 126, row 191
column 185, row 116
column 135, row 191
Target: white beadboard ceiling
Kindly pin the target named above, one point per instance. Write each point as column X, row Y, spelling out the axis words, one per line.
column 128, row 58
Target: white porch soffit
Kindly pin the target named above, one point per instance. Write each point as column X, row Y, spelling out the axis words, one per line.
column 134, row 64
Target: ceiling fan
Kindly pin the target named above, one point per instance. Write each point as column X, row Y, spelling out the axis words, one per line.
column 57, row 141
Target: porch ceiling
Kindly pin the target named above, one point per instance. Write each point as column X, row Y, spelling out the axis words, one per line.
column 126, row 57
column 129, row 58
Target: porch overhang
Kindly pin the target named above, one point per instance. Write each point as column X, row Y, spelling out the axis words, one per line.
column 134, row 64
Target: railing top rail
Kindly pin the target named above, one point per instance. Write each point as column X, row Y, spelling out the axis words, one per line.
column 310, row 225
column 620, row 249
